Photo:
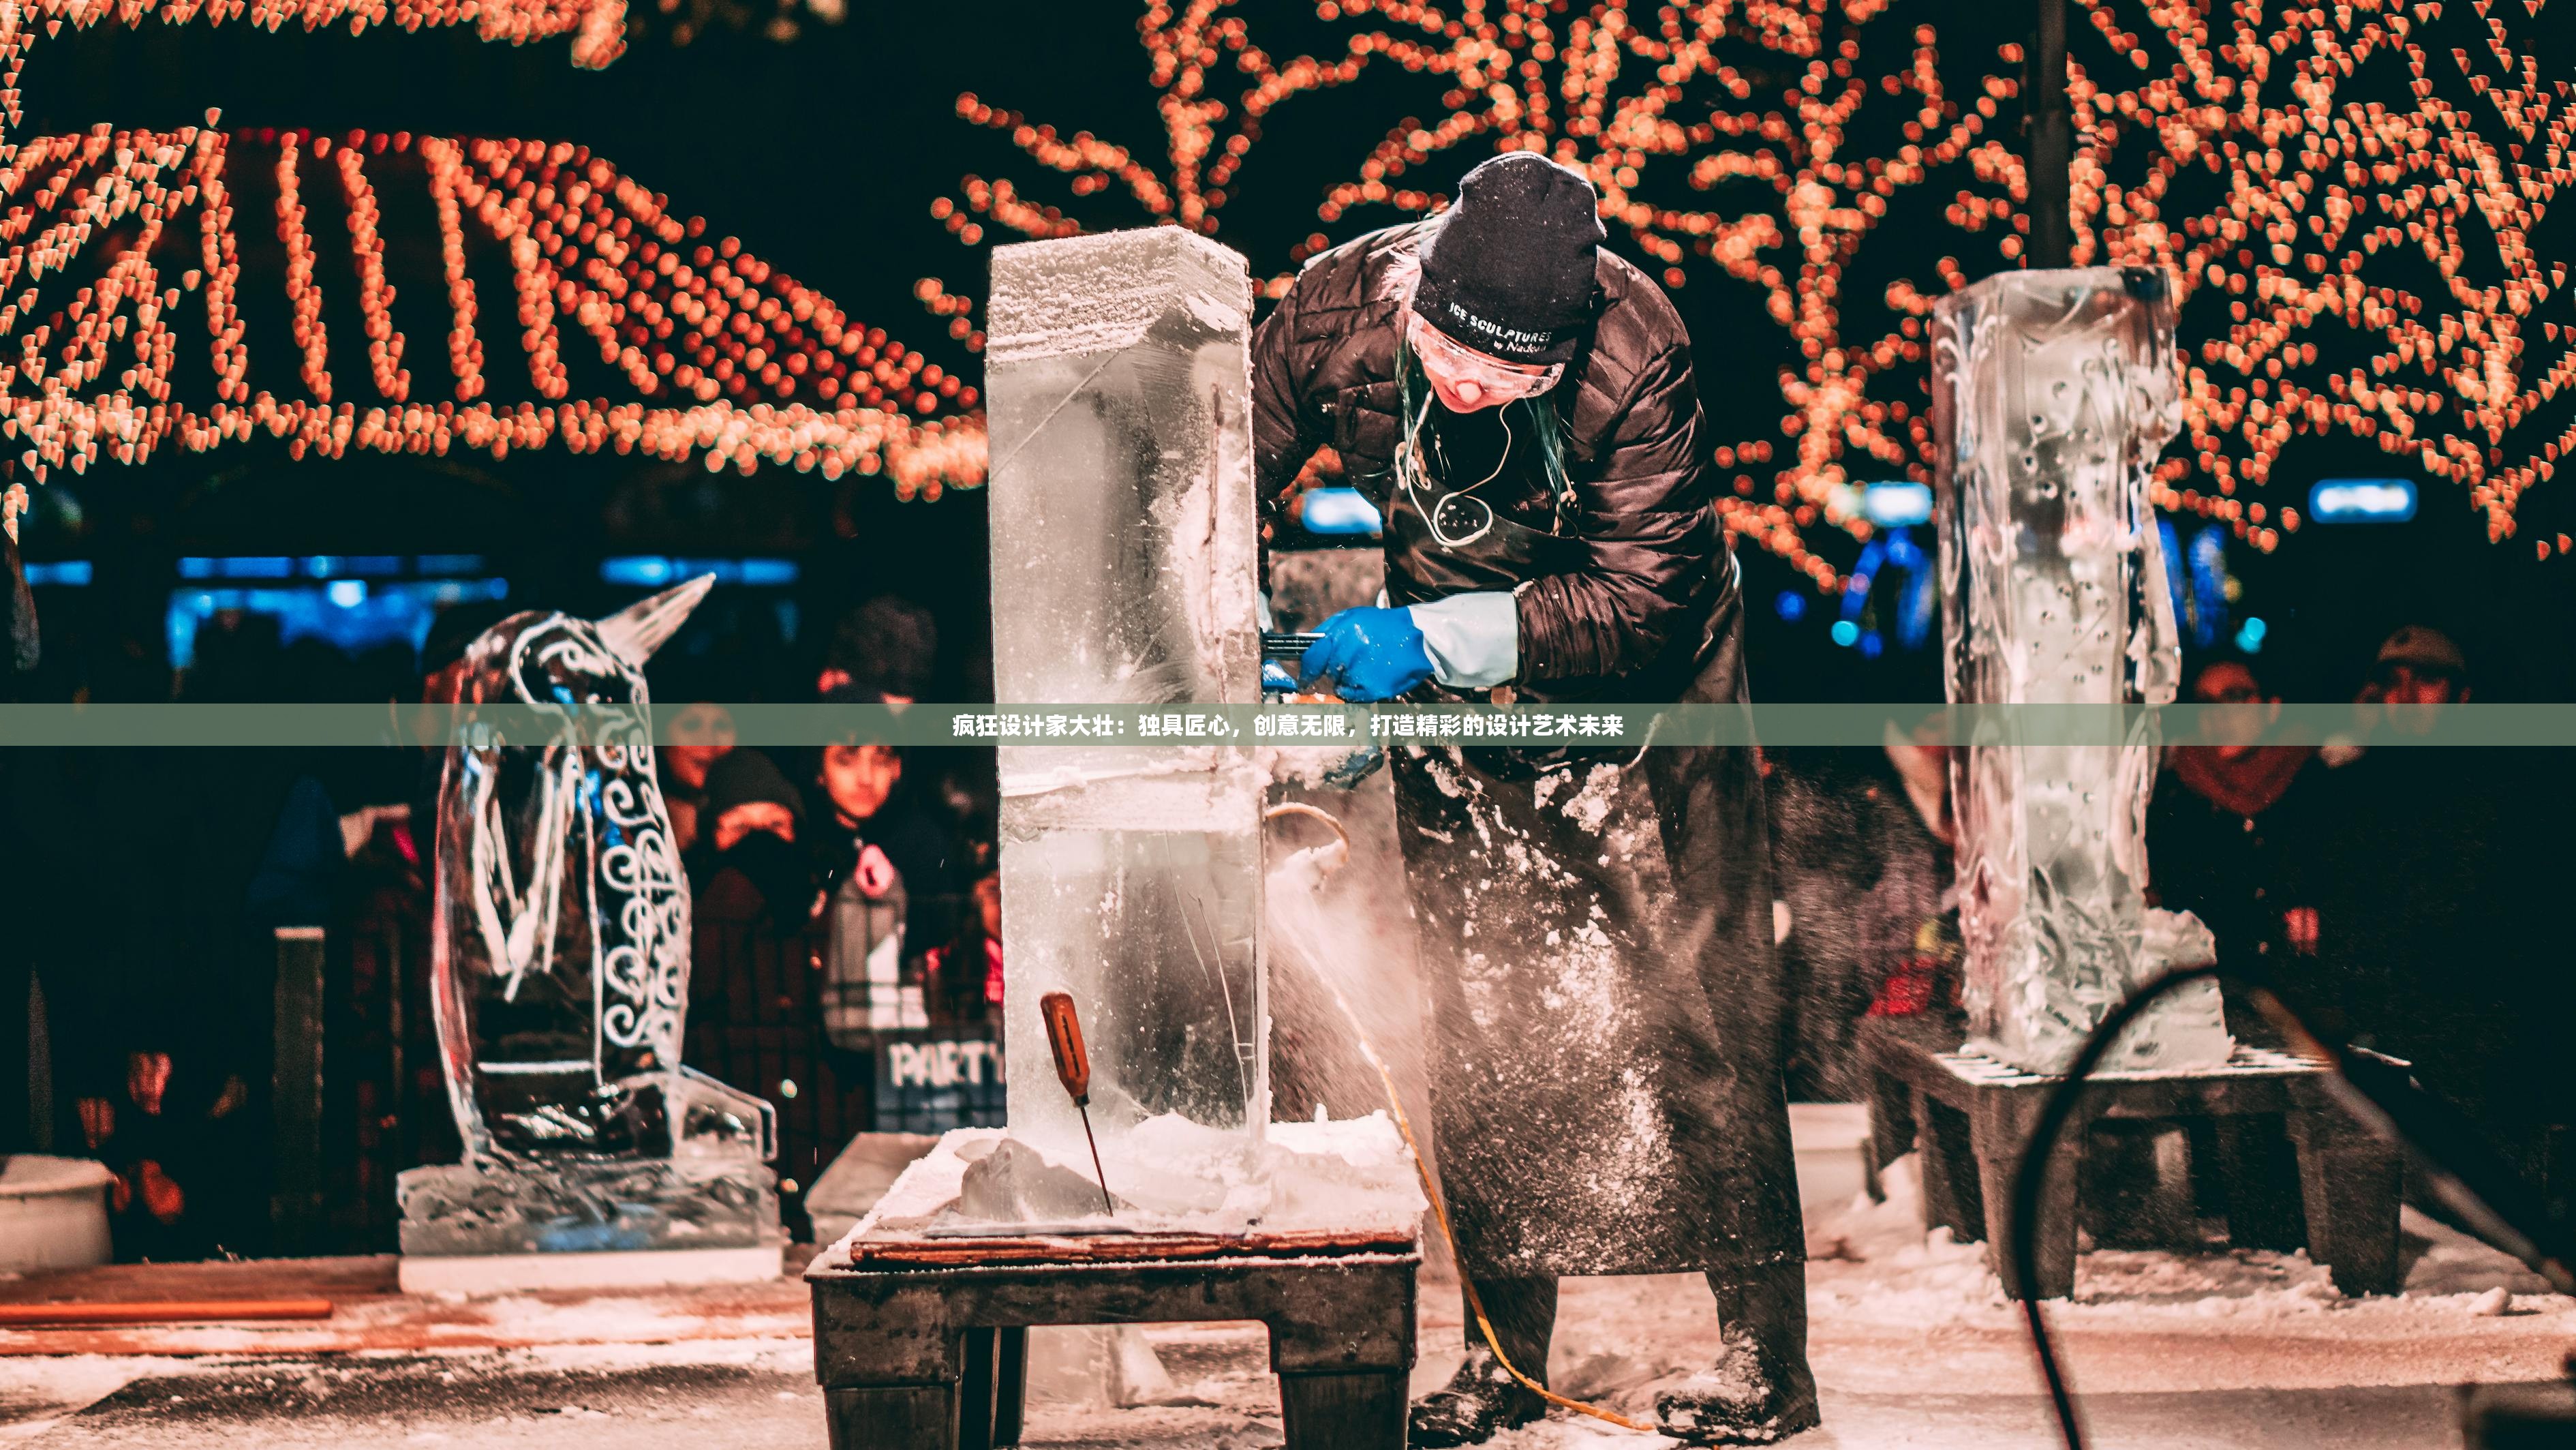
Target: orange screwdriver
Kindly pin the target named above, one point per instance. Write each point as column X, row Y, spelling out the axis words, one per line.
column 1073, row 1069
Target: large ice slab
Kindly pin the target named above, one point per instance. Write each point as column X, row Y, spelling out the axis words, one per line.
column 1118, row 384
column 2052, row 393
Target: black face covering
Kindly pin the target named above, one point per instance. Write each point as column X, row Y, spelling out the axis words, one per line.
column 778, row 871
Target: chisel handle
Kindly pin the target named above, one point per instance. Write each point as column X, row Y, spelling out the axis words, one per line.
column 1064, row 1039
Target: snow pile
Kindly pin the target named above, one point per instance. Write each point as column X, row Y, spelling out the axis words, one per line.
column 1347, row 1177
column 1922, row 1280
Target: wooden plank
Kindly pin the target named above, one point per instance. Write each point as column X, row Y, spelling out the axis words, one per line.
column 371, row 1316
column 1122, row 1249
column 372, row 1275
column 195, row 1311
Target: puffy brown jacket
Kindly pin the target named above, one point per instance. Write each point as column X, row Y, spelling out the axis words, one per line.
column 1637, row 613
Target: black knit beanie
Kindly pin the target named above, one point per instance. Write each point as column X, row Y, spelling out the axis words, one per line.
column 740, row 777
column 1508, row 270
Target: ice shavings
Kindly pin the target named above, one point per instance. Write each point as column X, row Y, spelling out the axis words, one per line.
column 1173, row 1176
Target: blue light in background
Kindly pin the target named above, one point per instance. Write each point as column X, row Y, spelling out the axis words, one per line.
column 1897, row 503
column 1864, row 572
column 2177, row 583
column 327, row 566
column 1340, row 511
column 1790, row 606
column 66, row 573
column 2208, row 584
column 2196, row 576
column 1894, row 557
column 2362, row 500
column 1914, row 606
column 348, row 613
column 641, row 571
column 2249, row 637
column 656, row 571
column 263, row 567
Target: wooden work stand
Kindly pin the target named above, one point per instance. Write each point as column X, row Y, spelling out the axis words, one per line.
column 1971, row 1115
column 920, row 1343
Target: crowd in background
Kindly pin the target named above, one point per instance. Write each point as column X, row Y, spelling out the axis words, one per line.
column 846, row 898
column 2401, row 897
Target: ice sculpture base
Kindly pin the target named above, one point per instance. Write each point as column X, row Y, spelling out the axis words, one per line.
column 579, row 1208
column 1348, row 1177
column 483, row 1275
column 2039, row 1023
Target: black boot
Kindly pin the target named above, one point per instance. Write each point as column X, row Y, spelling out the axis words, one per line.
column 1483, row 1400
column 1760, row 1391
column 1480, row 1402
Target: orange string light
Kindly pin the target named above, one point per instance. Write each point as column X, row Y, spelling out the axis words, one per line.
column 1616, row 93
column 2332, row 207
column 775, row 372
column 597, row 27
column 1802, row 137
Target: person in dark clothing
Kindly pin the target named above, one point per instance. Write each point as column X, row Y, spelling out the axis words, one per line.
column 2422, row 910
column 700, row 733
column 889, row 876
column 886, row 645
column 961, row 980
column 755, row 1017
column 1860, row 877
column 2232, row 836
column 746, row 792
column 1596, row 925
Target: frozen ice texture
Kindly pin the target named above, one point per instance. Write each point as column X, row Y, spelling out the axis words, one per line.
column 1118, row 385
column 559, row 973
column 2052, row 392
column 1353, row 1175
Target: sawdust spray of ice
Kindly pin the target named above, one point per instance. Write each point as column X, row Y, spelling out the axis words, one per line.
column 1341, row 932
column 1326, row 953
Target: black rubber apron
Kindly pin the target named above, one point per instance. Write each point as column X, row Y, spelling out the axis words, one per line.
column 1595, row 926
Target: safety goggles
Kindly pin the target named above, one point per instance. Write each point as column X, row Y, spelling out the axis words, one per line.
column 1451, row 363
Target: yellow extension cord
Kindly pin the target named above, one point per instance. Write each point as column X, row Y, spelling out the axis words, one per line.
column 1422, row 1170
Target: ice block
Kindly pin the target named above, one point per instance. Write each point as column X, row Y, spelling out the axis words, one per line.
column 1118, row 388
column 2052, row 392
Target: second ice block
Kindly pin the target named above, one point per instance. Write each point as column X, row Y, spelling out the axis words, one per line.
column 2052, row 393
column 1124, row 564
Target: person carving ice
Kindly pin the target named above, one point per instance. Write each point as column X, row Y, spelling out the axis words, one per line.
column 1596, row 924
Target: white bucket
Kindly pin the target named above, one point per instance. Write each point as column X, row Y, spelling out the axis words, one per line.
column 53, row 1213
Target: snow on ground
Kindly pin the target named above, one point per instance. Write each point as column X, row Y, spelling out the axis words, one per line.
column 1914, row 1345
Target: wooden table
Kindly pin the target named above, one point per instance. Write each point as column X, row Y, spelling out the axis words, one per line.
column 921, row 1343
column 1972, row 1115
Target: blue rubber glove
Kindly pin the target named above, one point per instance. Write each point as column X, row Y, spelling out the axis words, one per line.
column 1373, row 654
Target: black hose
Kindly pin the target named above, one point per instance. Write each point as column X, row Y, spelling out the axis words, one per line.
column 2032, row 1172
